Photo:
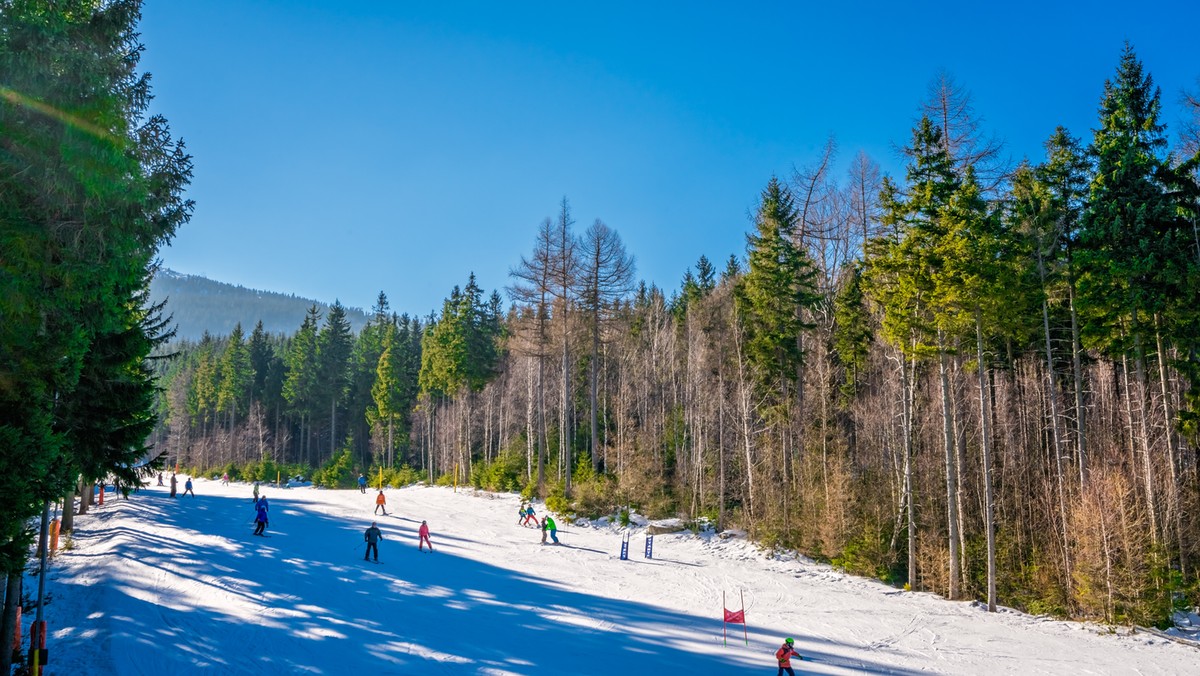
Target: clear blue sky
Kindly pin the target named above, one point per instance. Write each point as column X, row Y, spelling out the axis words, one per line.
column 344, row 148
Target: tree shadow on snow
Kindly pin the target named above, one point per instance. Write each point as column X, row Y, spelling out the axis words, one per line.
column 303, row 601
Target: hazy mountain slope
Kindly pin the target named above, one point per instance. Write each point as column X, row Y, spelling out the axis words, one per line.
column 197, row 304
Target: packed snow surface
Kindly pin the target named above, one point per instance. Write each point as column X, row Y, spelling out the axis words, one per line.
column 154, row 585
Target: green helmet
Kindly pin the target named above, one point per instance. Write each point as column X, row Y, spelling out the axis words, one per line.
column 788, row 641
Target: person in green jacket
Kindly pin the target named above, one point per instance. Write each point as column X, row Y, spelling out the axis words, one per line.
column 548, row 525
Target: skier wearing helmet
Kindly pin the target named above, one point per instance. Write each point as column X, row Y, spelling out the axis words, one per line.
column 784, row 656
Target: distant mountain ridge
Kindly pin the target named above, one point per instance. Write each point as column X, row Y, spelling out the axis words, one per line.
column 198, row 304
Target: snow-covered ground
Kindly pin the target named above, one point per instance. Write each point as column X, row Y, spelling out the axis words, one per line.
column 160, row 586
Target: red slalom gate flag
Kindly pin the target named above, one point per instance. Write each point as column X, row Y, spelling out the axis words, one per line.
column 734, row 617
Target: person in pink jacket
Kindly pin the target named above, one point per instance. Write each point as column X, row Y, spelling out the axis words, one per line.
column 423, row 531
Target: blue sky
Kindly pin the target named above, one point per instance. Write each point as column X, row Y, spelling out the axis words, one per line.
column 344, row 148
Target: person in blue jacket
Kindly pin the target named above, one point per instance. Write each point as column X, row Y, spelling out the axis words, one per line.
column 362, row 484
column 187, row 487
column 260, row 521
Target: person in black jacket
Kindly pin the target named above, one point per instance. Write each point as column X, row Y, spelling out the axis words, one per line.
column 372, row 537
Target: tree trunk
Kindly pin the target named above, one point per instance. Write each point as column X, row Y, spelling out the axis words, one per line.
column 564, row 417
column 1175, row 508
column 543, row 438
column 1144, row 434
column 986, row 442
column 592, row 398
column 1055, row 434
column 68, row 515
column 908, row 392
column 951, row 469
column 8, row 620
column 744, row 405
column 85, row 498
column 1077, row 362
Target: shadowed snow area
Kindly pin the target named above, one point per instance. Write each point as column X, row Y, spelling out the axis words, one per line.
column 155, row 585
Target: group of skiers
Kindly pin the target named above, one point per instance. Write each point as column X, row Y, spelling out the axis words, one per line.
column 260, row 515
column 372, row 535
column 187, row 486
column 525, row 514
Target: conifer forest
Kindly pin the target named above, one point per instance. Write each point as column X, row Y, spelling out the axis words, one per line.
column 973, row 379
column 979, row 378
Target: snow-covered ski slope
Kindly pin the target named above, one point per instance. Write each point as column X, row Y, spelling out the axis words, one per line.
column 160, row 586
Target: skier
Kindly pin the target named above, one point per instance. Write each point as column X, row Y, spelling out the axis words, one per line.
column 255, row 498
column 380, row 501
column 362, row 484
column 548, row 525
column 160, row 483
column 173, row 482
column 423, row 532
column 187, row 487
column 260, row 519
column 784, row 656
column 262, row 503
column 372, row 536
column 225, row 479
column 530, row 515
column 521, row 515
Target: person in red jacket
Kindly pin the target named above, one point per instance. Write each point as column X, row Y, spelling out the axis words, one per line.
column 423, row 531
column 784, row 655
column 380, row 501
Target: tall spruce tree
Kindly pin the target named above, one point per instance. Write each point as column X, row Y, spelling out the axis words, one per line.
column 300, row 384
column 334, row 345
column 779, row 284
column 89, row 189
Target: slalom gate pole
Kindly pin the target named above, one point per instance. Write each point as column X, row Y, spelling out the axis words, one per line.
column 724, row 636
column 625, row 547
column 745, row 632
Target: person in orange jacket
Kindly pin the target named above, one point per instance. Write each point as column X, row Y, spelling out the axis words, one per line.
column 380, row 501
column 784, row 656
column 423, row 531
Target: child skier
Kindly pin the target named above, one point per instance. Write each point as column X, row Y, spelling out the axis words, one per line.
column 423, row 532
column 529, row 515
column 260, row 519
column 784, row 656
column 372, row 536
column 362, row 484
column 380, row 501
column 521, row 515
